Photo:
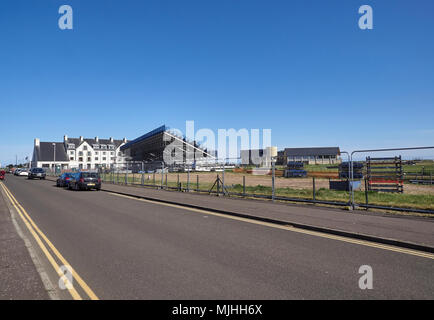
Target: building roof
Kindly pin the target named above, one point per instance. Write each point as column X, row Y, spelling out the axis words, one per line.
column 77, row 142
column 152, row 133
column 305, row 152
column 45, row 151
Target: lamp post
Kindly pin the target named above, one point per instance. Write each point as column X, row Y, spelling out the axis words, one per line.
column 54, row 152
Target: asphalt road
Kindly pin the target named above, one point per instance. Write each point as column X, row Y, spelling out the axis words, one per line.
column 129, row 249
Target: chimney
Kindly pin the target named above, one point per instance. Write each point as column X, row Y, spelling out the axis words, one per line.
column 65, row 138
column 81, row 138
column 96, row 139
column 124, row 140
column 37, row 142
column 111, row 139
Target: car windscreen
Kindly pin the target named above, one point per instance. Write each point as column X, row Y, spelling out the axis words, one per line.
column 38, row 170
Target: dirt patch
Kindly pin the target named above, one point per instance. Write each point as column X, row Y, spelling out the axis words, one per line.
column 231, row 178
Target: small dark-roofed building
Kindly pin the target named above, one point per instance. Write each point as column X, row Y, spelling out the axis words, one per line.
column 45, row 154
column 314, row 155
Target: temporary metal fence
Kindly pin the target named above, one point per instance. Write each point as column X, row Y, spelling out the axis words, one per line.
column 367, row 205
column 188, row 178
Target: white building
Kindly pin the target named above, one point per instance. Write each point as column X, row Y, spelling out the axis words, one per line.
column 78, row 153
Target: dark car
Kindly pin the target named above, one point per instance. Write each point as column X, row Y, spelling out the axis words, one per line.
column 85, row 181
column 2, row 174
column 63, row 179
column 36, row 173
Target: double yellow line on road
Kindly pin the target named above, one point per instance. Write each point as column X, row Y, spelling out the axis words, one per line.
column 37, row 235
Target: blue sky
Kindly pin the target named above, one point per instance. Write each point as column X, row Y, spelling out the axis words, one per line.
column 302, row 68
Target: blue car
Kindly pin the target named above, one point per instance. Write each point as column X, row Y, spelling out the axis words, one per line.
column 63, row 180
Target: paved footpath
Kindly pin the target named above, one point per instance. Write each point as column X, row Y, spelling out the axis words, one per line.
column 19, row 278
column 417, row 230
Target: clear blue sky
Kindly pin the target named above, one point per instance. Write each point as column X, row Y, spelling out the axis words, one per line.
column 302, row 68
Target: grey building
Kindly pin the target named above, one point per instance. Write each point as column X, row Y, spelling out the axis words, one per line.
column 320, row 155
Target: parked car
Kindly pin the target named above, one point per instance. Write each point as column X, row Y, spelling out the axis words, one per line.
column 24, row 172
column 63, row 179
column 85, row 180
column 21, row 172
column 2, row 174
column 36, row 173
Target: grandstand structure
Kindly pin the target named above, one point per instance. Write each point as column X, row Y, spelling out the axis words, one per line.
column 152, row 150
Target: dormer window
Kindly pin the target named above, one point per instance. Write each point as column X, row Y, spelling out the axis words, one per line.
column 103, row 146
column 111, row 147
column 95, row 146
column 71, row 146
